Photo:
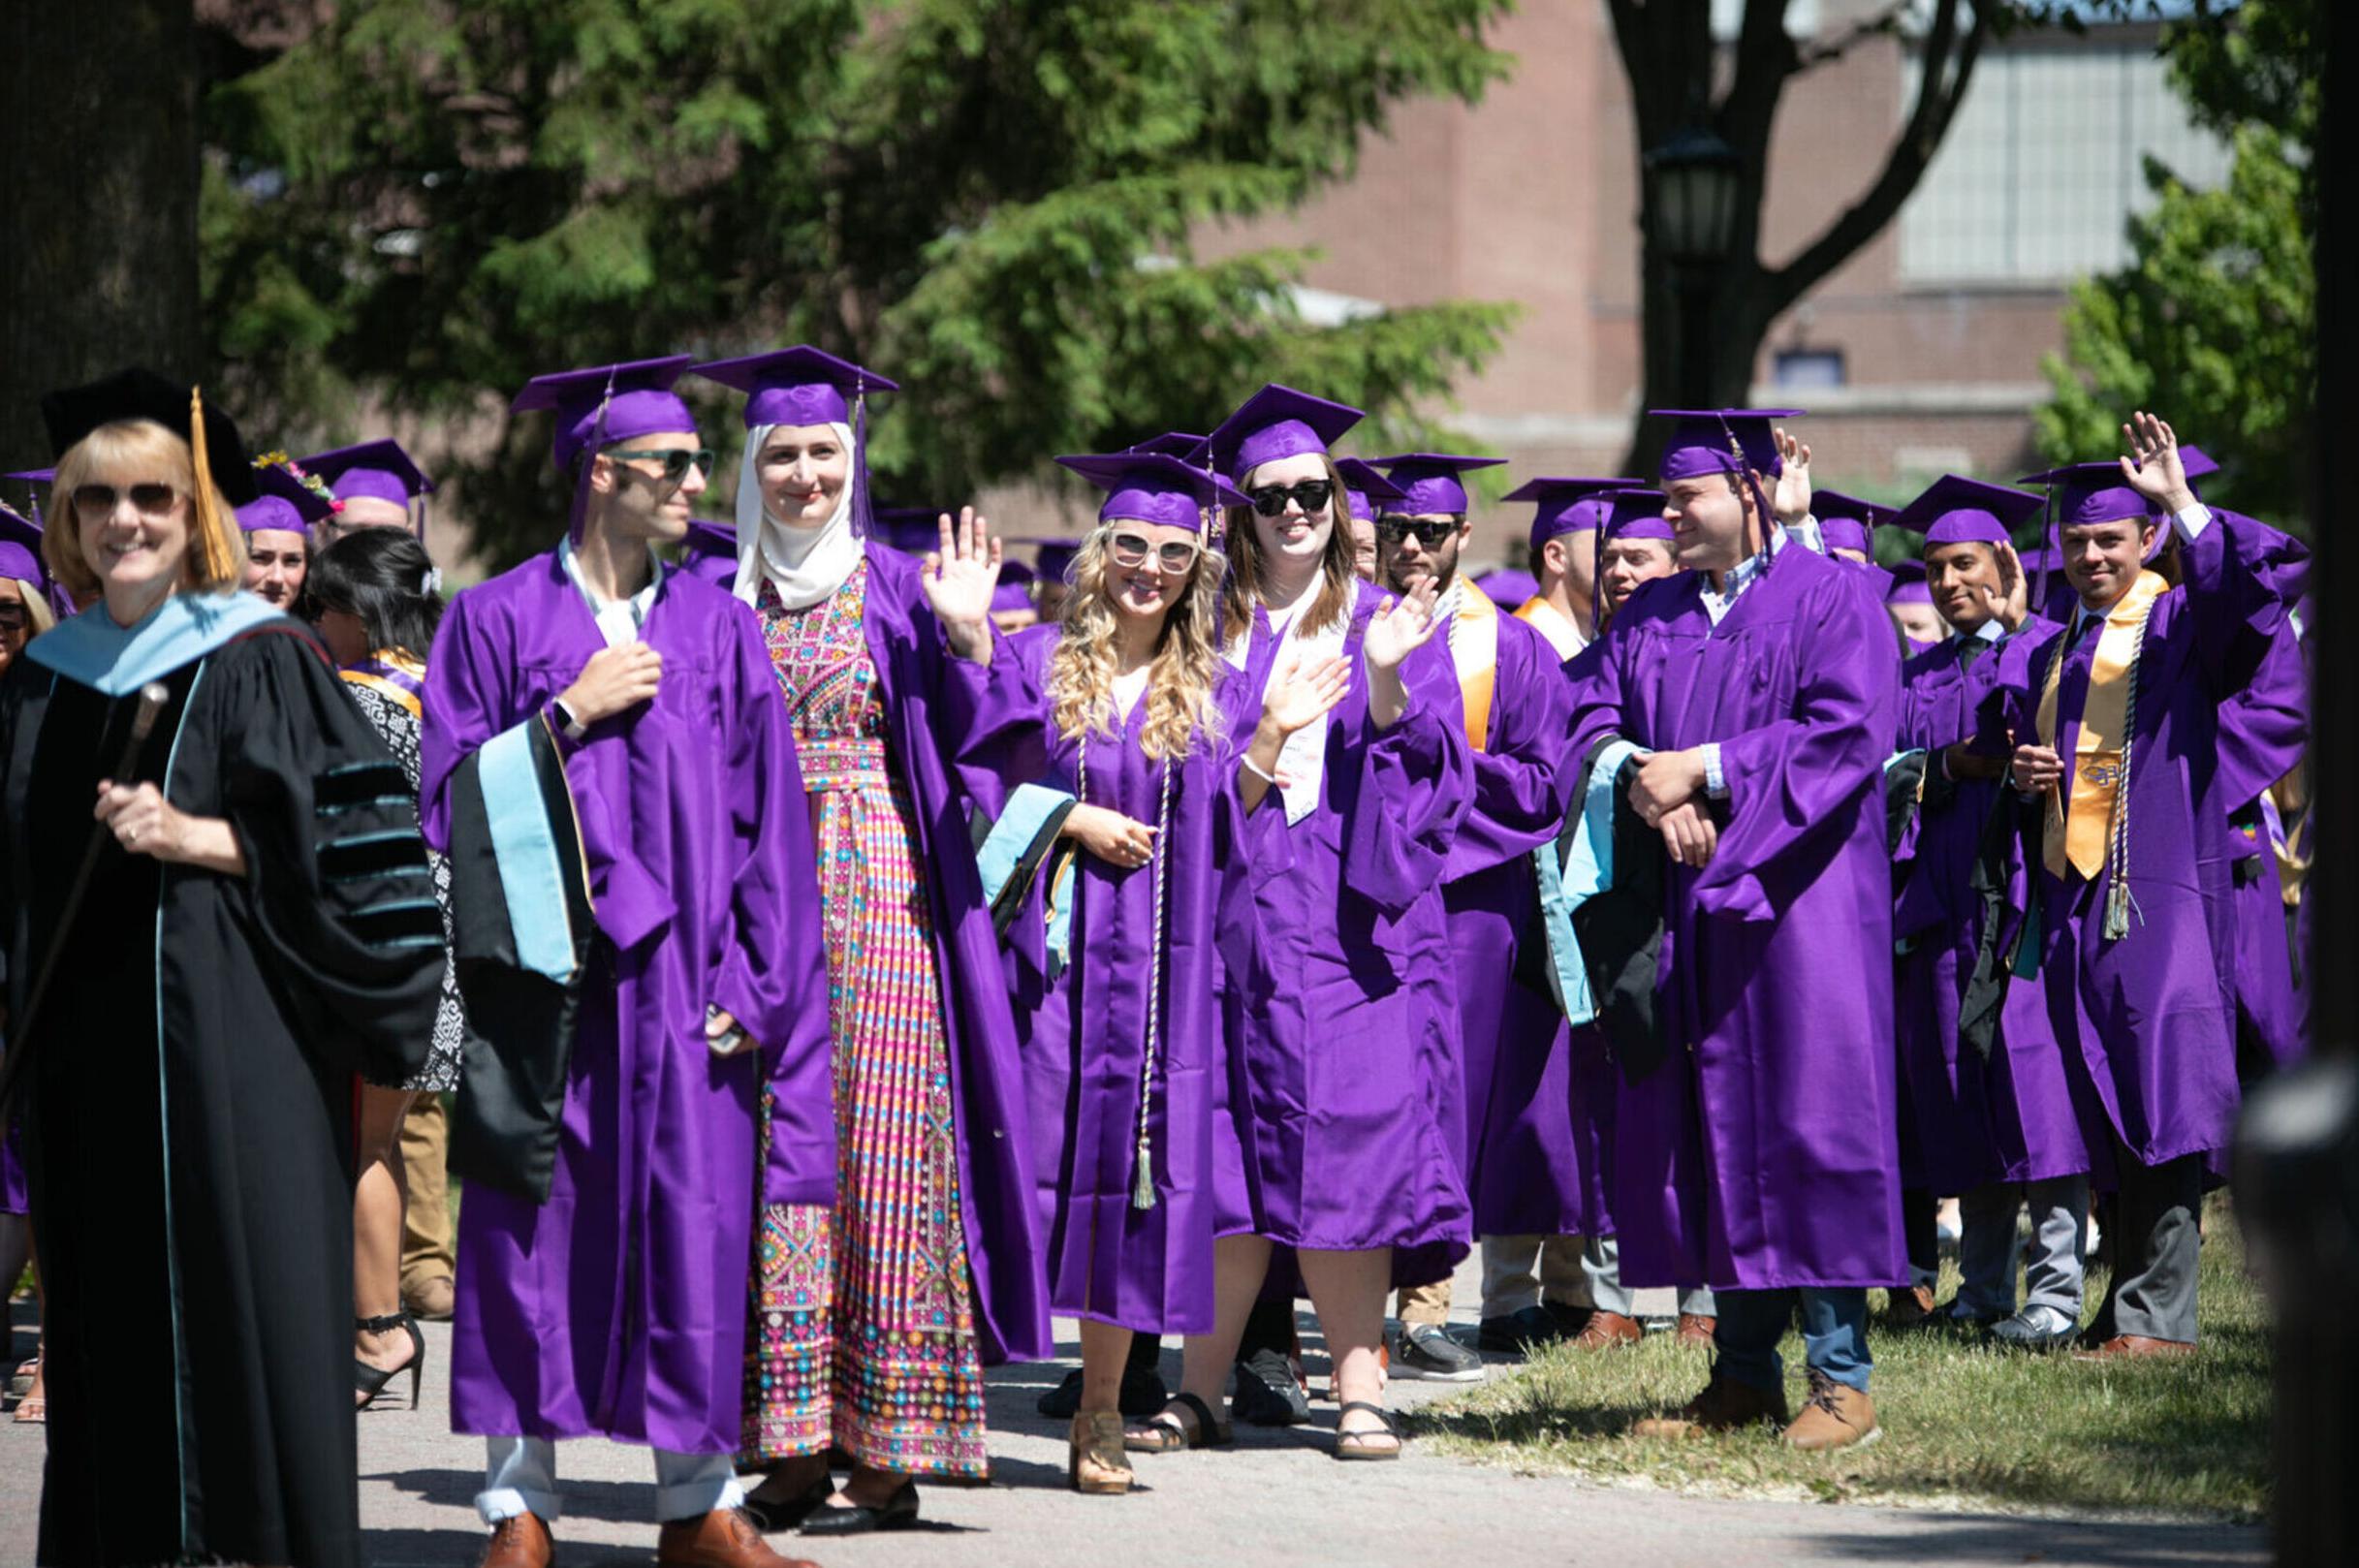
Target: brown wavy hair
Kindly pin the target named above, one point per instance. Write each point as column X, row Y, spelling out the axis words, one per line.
column 1243, row 590
column 1179, row 683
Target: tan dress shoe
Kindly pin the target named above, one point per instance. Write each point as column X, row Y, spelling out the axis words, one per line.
column 1695, row 1329
column 1835, row 1416
column 1725, row 1406
column 2135, row 1347
column 1606, row 1330
column 1096, row 1464
column 725, row 1538
column 518, row 1540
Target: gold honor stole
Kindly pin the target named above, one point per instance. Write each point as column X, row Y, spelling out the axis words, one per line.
column 1474, row 651
column 392, row 675
column 2078, row 836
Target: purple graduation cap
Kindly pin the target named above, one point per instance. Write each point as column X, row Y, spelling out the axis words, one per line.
column 1629, row 513
column 1507, row 587
column 1565, row 506
column 1431, row 482
column 1016, row 572
column 1171, row 444
column 607, row 404
column 2196, row 463
column 20, row 550
column 286, row 503
column 1154, row 488
column 1363, row 488
column 916, row 529
column 1848, row 523
column 805, row 386
column 1054, row 558
column 1009, row 598
column 35, row 481
column 377, row 470
column 1908, row 586
column 1954, row 510
column 711, row 551
column 1276, row 421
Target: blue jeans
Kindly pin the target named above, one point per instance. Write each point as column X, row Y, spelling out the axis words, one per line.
column 1834, row 1334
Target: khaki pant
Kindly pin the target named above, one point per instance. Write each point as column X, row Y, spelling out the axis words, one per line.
column 427, row 1245
column 1523, row 1271
column 1426, row 1304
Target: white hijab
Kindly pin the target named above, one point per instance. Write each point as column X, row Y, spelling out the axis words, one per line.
column 804, row 565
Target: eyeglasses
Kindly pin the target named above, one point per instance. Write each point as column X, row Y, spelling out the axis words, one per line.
column 1130, row 551
column 1270, row 500
column 1432, row 532
column 675, row 459
column 148, row 500
column 13, row 616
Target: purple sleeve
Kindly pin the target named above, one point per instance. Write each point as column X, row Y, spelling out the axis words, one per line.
column 1524, row 777
column 1594, row 677
column 990, row 719
column 1794, row 784
column 1414, row 782
column 2230, row 599
column 2264, row 727
column 772, row 977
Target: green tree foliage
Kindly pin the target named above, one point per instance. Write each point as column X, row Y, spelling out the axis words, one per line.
column 426, row 201
column 2214, row 321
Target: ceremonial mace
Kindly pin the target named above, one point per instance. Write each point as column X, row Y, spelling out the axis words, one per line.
column 152, row 698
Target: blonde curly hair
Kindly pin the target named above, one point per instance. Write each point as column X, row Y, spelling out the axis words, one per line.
column 1180, row 706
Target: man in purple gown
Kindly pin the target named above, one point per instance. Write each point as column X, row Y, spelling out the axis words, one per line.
column 1516, row 709
column 1991, row 1120
column 1755, row 1150
column 608, row 1297
column 2118, row 735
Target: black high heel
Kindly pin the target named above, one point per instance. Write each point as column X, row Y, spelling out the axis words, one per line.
column 371, row 1380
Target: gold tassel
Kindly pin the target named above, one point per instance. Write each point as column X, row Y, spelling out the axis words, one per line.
column 213, row 556
column 1143, row 1188
column 2116, row 908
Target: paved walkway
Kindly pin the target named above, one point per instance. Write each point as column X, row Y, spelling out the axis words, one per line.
column 1278, row 1498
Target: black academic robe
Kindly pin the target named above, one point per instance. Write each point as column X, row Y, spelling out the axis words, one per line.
column 188, row 1101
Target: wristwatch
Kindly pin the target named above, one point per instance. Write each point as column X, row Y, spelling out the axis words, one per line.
column 571, row 728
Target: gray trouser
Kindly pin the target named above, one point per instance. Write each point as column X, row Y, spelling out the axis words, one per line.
column 2055, row 1264
column 2156, row 1240
column 1523, row 1271
column 1601, row 1260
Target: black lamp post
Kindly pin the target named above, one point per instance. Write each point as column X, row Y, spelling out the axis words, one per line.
column 1691, row 184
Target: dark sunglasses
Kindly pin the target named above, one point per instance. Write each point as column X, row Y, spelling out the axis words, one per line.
column 1270, row 500
column 1432, row 532
column 675, row 459
column 148, row 500
column 13, row 616
column 1130, row 552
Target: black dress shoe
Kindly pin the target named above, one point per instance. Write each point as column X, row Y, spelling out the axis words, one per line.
column 1516, row 1333
column 898, row 1513
column 771, row 1515
column 1569, row 1319
column 2034, row 1327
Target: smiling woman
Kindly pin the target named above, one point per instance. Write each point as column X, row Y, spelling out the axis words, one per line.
column 246, row 925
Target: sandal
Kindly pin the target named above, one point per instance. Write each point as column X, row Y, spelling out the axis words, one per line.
column 370, row 1381
column 33, row 1410
column 1356, row 1445
column 1095, row 1463
column 1164, row 1433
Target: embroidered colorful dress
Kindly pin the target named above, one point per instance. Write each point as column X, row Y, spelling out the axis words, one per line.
column 864, row 1331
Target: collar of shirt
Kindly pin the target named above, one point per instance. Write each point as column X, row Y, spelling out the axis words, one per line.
column 618, row 620
column 1741, row 577
column 1990, row 631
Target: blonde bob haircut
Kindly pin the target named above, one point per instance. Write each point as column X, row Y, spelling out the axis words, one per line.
column 1332, row 604
column 142, row 451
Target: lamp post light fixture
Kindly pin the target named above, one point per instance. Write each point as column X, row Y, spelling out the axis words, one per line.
column 1692, row 186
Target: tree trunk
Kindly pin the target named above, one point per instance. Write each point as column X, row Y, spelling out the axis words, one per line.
column 98, row 177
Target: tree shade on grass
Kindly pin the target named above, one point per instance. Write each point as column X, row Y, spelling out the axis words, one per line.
column 1963, row 1425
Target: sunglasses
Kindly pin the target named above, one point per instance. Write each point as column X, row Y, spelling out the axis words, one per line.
column 1130, row 551
column 1311, row 495
column 13, row 616
column 677, row 460
column 148, row 500
column 1432, row 532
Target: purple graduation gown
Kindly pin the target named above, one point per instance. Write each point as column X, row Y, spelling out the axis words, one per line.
column 618, row 1307
column 1970, row 1123
column 2147, row 1021
column 1344, row 1091
column 1083, row 1034
column 1761, row 1153
column 2263, row 730
column 1520, row 1162
column 956, row 726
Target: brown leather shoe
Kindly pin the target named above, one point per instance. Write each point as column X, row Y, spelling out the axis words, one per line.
column 2134, row 1347
column 431, row 1300
column 1909, row 1308
column 1835, row 1416
column 1606, row 1330
column 518, row 1540
column 1695, row 1329
column 725, row 1538
column 1725, row 1406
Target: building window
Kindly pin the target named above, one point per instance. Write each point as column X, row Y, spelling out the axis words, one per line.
column 1807, row 370
column 2044, row 162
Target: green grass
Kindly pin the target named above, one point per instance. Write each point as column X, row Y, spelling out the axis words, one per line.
column 1964, row 1426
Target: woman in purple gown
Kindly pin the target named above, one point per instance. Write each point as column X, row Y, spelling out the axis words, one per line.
column 1343, row 1077
column 1114, row 957
column 873, row 1317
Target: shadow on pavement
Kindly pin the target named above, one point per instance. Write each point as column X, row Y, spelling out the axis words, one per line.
column 2126, row 1545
